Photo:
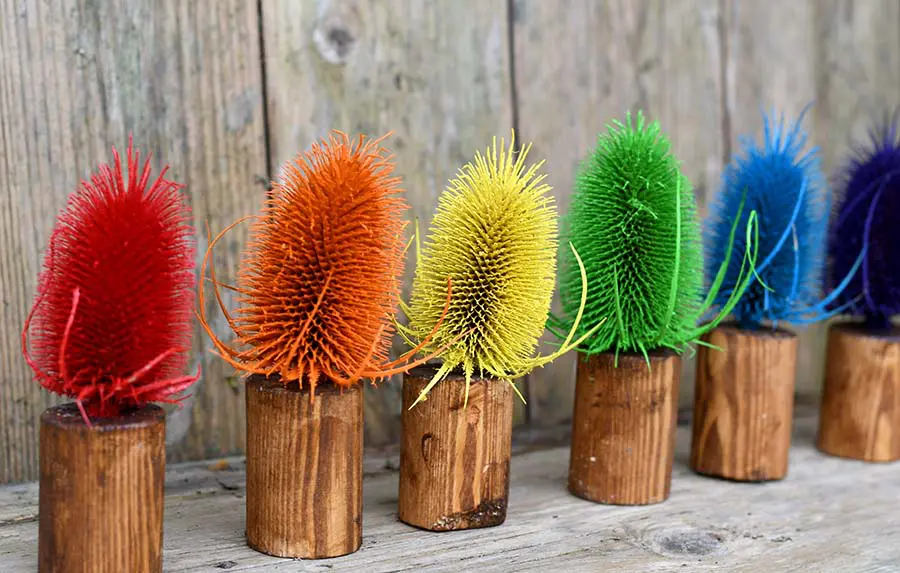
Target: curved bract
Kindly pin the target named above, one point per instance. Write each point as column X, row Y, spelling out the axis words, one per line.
column 495, row 236
column 320, row 277
column 868, row 217
column 111, row 323
column 781, row 181
column 633, row 219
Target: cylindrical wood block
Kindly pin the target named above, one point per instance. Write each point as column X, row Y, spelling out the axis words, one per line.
column 454, row 460
column 304, row 469
column 860, row 414
column 623, row 428
column 744, row 404
column 101, row 492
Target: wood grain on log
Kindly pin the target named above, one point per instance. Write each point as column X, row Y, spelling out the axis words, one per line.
column 860, row 415
column 743, row 404
column 454, row 458
column 101, row 492
column 304, row 469
column 623, row 430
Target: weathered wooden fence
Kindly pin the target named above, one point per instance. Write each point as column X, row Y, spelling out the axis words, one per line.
column 226, row 90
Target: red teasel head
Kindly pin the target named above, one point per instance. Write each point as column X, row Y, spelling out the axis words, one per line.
column 111, row 322
column 319, row 282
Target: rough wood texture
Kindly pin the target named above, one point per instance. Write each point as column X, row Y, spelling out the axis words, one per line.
column 623, row 430
column 857, row 77
column 454, row 459
column 101, row 492
column 590, row 62
column 798, row 525
column 77, row 77
column 435, row 73
column 187, row 79
column 860, row 416
column 744, row 404
column 304, row 469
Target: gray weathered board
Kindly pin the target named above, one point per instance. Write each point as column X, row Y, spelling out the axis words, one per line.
column 226, row 90
column 829, row 515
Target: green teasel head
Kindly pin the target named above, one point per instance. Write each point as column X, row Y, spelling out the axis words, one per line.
column 633, row 220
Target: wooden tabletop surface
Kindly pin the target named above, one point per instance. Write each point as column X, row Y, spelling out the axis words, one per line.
column 828, row 515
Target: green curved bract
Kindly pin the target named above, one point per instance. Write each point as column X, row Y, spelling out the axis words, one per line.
column 633, row 221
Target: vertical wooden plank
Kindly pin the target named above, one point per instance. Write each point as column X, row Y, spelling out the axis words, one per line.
column 770, row 65
column 78, row 76
column 857, row 72
column 21, row 404
column 435, row 73
column 770, row 62
column 857, row 79
column 580, row 64
column 843, row 56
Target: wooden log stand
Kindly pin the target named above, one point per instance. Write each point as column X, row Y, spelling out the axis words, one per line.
column 304, row 469
column 744, row 404
column 623, row 428
column 454, row 460
column 860, row 415
column 101, row 491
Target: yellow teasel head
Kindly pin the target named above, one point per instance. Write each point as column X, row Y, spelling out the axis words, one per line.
column 494, row 237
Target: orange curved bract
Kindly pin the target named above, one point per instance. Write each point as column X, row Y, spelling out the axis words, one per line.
column 320, row 278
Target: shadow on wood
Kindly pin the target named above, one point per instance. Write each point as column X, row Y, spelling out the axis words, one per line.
column 454, row 457
column 101, row 493
column 304, row 469
column 623, row 431
column 860, row 416
column 744, row 404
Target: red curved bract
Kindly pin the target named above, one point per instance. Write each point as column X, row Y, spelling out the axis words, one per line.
column 111, row 323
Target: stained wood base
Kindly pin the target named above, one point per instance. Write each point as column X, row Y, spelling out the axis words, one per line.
column 454, row 460
column 860, row 415
column 623, row 428
column 101, row 492
column 304, row 469
column 744, row 404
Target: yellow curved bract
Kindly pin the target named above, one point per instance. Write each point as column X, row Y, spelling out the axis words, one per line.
column 495, row 237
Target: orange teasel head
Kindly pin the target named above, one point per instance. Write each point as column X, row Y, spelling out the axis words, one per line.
column 319, row 282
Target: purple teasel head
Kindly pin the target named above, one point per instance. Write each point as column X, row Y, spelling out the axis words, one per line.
column 867, row 215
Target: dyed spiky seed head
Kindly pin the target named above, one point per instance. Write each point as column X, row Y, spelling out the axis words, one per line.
column 494, row 235
column 867, row 215
column 320, row 277
column 111, row 323
column 633, row 221
column 780, row 179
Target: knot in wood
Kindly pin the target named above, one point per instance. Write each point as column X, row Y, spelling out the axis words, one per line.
column 334, row 39
column 684, row 541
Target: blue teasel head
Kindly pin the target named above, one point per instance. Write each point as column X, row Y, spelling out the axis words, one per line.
column 867, row 215
column 780, row 179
